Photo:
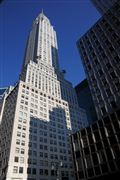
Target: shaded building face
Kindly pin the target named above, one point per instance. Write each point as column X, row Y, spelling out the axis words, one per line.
column 96, row 149
column 85, row 100
column 99, row 49
column 103, row 5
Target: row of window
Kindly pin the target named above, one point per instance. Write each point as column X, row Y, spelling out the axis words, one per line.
column 17, row 169
column 45, row 96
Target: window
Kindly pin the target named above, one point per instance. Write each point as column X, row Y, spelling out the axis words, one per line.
column 113, row 75
column 108, row 65
column 34, row 171
column 107, row 42
column 35, row 138
column 29, row 161
column 108, row 91
column 96, row 61
column 41, row 154
column 45, row 140
column 104, row 81
column 23, row 143
column 90, row 172
column 17, row 150
column 17, row 141
column 24, row 128
column 100, row 72
column 117, row 59
column 52, row 172
column 22, row 151
column 20, row 119
column 21, row 107
column 41, row 146
column 21, row 113
column 117, row 84
column 41, row 139
column 16, row 159
column 28, row 170
column 21, row 159
column 15, row 169
column 34, row 145
column 41, row 171
column 113, row 104
column 88, row 162
column 45, row 155
column 18, row 134
column 103, row 110
column 102, row 156
column 89, row 67
column 19, row 126
column 23, row 135
column 111, row 49
column 45, row 148
column 46, row 172
column 35, row 153
column 20, row 170
column 26, row 104
column 95, row 159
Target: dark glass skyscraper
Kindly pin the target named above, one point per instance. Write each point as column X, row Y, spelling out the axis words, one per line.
column 100, row 52
column 96, row 149
column 103, row 5
column 85, row 100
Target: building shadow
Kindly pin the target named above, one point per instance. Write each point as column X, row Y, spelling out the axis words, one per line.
column 49, row 151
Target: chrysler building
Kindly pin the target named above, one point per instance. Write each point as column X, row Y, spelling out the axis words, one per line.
column 39, row 114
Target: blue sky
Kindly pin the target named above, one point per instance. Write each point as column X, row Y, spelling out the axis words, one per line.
column 70, row 18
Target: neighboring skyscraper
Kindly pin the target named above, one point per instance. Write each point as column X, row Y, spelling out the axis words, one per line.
column 96, row 150
column 85, row 100
column 100, row 52
column 39, row 114
column 3, row 94
column 103, row 5
column 2, row 91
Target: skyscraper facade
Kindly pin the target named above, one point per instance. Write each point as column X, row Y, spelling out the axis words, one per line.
column 103, row 5
column 96, row 149
column 99, row 49
column 85, row 100
column 3, row 95
column 39, row 114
